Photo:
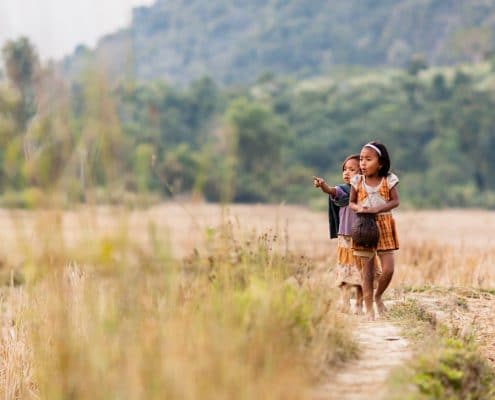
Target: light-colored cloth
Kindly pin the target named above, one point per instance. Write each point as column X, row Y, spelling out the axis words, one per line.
column 370, row 196
column 348, row 269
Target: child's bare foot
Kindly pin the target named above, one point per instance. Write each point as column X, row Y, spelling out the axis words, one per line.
column 370, row 316
column 370, row 313
column 380, row 306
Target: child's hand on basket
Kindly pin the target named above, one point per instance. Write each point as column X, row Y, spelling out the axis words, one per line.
column 366, row 210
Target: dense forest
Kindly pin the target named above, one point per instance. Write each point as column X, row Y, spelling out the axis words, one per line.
column 237, row 41
column 89, row 140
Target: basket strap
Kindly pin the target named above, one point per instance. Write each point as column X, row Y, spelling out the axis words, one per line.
column 369, row 254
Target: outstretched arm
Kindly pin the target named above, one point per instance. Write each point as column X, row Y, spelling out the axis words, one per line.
column 320, row 183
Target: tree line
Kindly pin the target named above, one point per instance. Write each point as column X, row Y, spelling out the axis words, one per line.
column 89, row 139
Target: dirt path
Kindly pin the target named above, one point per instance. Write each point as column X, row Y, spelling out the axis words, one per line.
column 382, row 349
column 468, row 312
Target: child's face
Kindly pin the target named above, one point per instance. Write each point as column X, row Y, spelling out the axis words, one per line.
column 369, row 162
column 351, row 168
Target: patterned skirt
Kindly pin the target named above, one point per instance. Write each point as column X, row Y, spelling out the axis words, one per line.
column 388, row 239
column 348, row 270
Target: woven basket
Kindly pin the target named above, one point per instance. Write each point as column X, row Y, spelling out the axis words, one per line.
column 364, row 231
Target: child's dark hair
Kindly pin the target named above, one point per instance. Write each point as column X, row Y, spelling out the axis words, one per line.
column 383, row 158
column 351, row 157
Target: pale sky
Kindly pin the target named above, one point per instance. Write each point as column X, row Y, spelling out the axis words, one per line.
column 56, row 27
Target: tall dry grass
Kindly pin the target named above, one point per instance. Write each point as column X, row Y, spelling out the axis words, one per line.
column 195, row 301
column 446, row 248
column 107, row 311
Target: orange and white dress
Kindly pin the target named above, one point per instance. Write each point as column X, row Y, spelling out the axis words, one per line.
column 372, row 196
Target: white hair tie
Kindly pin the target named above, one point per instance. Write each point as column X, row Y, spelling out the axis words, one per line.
column 374, row 148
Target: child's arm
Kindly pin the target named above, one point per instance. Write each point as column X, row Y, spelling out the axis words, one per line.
column 389, row 205
column 320, row 183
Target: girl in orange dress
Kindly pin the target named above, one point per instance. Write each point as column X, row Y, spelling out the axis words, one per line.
column 347, row 272
column 341, row 218
column 375, row 192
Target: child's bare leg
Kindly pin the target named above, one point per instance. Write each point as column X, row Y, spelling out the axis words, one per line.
column 387, row 261
column 368, row 271
column 345, row 291
column 359, row 300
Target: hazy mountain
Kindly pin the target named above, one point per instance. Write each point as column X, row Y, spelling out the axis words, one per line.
column 236, row 41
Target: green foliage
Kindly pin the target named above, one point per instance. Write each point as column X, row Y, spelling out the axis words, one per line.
column 416, row 64
column 21, row 65
column 447, row 367
column 456, row 371
column 419, row 323
column 259, row 143
column 30, row 197
column 143, row 156
column 258, row 138
column 240, row 41
column 264, row 290
column 411, row 309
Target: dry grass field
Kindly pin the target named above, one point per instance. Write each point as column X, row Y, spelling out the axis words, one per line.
column 448, row 248
column 189, row 301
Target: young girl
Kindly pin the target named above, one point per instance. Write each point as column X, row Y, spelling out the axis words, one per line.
column 375, row 192
column 341, row 218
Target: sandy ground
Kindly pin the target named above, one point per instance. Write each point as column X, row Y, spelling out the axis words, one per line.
column 382, row 349
column 469, row 312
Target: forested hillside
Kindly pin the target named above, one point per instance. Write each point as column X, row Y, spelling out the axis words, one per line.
column 253, row 143
column 236, row 41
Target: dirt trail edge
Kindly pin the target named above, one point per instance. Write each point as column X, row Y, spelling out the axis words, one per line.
column 382, row 349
